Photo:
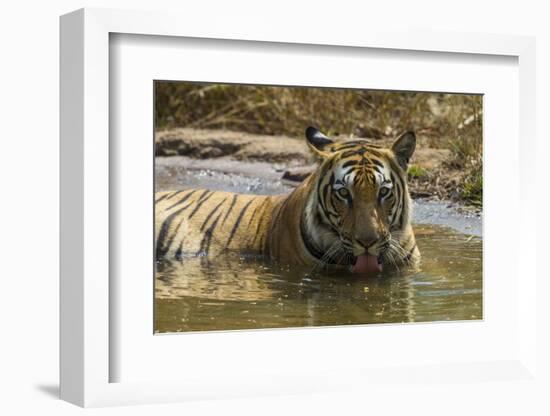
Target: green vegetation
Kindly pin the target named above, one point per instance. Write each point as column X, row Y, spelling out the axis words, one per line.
column 416, row 171
column 472, row 190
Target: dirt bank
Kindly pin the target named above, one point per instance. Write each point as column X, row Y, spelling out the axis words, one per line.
column 204, row 144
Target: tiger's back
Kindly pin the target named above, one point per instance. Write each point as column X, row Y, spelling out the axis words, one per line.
column 197, row 222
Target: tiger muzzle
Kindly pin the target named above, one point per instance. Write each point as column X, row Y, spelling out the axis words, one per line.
column 368, row 255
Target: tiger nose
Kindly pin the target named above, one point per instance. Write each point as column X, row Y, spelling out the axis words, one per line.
column 367, row 242
column 362, row 245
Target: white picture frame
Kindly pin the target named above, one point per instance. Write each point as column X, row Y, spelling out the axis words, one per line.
column 86, row 356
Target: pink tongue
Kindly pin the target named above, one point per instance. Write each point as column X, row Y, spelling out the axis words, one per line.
column 366, row 264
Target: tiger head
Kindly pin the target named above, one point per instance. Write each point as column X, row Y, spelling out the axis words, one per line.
column 358, row 210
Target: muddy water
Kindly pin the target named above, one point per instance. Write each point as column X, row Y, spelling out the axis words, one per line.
column 234, row 292
column 202, row 294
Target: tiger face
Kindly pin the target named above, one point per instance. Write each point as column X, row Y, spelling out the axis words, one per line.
column 359, row 211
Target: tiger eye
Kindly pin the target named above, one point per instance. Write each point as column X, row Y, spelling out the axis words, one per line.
column 384, row 191
column 343, row 192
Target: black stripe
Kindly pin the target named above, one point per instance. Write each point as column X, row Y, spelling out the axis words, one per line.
column 166, row 195
column 283, row 205
column 393, row 213
column 161, row 248
column 173, row 194
column 374, row 165
column 329, row 223
column 173, row 237
column 259, row 224
column 253, row 215
column 308, row 244
column 349, row 153
column 397, row 179
column 237, row 222
column 324, row 206
column 181, row 201
column 377, row 163
column 397, row 202
column 178, row 252
column 403, row 190
column 320, row 180
column 230, row 208
column 351, row 143
column 350, row 163
column 349, row 171
column 350, row 200
column 207, row 238
column 311, row 248
column 373, row 151
column 332, row 179
column 212, row 213
column 262, row 244
column 200, row 202
column 321, row 209
column 397, row 169
column 320, row 193
column 323, row 198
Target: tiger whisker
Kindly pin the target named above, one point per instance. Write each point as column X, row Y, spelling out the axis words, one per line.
column 323, row 261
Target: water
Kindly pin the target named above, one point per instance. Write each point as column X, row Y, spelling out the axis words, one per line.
column 233, row 292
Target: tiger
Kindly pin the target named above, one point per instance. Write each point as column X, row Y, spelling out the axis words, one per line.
column 353, row 210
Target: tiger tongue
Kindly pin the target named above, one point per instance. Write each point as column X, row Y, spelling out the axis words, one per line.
column 366, row 263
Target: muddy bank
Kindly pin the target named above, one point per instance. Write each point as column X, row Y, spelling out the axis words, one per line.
column 227, row 174
column 203, row 144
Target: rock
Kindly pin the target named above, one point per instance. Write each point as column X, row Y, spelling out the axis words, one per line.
column 298, row 174
column 210, row 152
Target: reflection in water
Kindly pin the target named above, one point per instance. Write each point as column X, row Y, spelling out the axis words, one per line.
column 233, row 292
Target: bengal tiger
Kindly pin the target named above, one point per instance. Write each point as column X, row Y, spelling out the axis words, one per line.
column 354, row 210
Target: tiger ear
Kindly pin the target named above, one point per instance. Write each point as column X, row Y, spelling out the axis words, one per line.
column 318, row 142
column 403, row 148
